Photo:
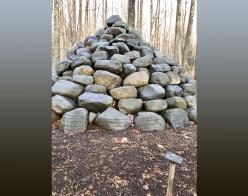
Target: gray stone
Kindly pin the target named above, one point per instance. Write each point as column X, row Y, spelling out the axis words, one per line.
column 83, row 79
column 133, row 55
column 136, row 79
column 113, row 19
column 160, row 67
column 157, row 54
column 128, row 69
column 156, row 105
column 100, row 55
column 107, row 79
column 151, row 91
column 126, row 37
column 192, row 114
column 123, row 48
column 81, row 52
column 175, row 69
column 120, row 24
column 63, row 66
column 55, row 77
column 102, row 43
column 130, row 106
column 115, row 31
column 111, row 50
column 189, row 88
column 99, row 33
column 123, row 92
column 116, row 40
column 113, row 120
column 67, row 73
column 161, row 60
column 61, row 104
column 173, row 90
column 159, row 78
column 83, row 70
column 191, row 101
column 146, row 51
column 144, row 69
column 107, row 37
column 79, row 60
column 68, row 78
column 143, row 61
column 92, row 117
column 95, row 102
column 149, row 121
column 75, row 120
column 173, row 78
column 67, row 89
column 113, row 66
column 176, row 102
column 177, row 117
column 122, row 58
column 96, row 88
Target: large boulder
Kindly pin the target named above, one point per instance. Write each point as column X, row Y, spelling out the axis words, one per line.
column 177, row 117
column 113, row 120
column 83, row 70
column 113, row 66
column 149, row 121
column 107, row 79
column 151, row 91
column 123, row 92
column 173, row 90
column 63, row 66
column 75, row 120
column 159, row 78
column 156, row 105
column 191, row 101
column 123, row 48
column 130, row 106
column 96, row 88
column 61, row 104
column 132, row 55
column 94, row 102
column 160, row 67
column 83, row 79
column 143, row 61
column 67, row 88
column 176, row 102
column 99, row 55
column 122, row 58
column 113, row 19
column 136, row 79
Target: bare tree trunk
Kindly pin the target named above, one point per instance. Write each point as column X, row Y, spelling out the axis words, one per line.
column 94, row 13
column 80, row 29
column 141, row 17
column 105, row 10
column 151, row 18
column 178, row 32
column 189, row 32
column 131, row 13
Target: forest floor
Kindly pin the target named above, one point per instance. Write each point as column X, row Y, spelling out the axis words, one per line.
column 99, row 162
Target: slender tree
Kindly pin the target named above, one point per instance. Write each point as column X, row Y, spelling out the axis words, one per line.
column 178, row 32
column 141, row 17
column 131, row 13
column 80, row 28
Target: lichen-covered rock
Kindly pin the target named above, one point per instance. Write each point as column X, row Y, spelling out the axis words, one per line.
column 123, row 92
column 67, row 89
column 159, row 78
column 107, row 79
column 177, row 117
column 136, row 79
column 176, row 102
column 113, row 66
column 151, row 91
column 191, row 101
column 174, row 78
column 130, row 106
column 143, row 61
column 122, row 58
column 83, row 70
column 113, row 120
column 95, row 102
column 173, row 90
column 132, row 55
column 99, row 55
column 149, row 121
column 61, row 104
column 96, row 88
column 156, row 105
column 160, row 67
column 75, row 120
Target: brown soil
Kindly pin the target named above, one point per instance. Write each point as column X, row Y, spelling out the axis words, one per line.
column 99, row 163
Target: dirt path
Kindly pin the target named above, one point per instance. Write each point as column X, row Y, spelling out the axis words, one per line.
column 97, row 163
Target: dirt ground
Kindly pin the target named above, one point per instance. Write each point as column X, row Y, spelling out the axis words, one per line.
column 102, row 163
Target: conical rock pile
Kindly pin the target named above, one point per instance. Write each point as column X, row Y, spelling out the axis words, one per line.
column 114, row 75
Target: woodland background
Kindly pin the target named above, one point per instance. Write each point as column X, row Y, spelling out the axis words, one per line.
column 169, row 25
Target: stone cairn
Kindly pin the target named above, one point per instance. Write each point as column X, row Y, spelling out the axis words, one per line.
column 116, row 80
